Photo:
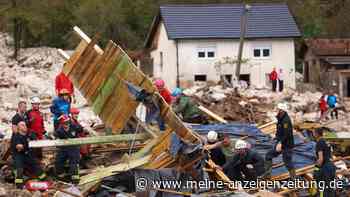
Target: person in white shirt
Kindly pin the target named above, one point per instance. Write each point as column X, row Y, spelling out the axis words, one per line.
column 280, row 79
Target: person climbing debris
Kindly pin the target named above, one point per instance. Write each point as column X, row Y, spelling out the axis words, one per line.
column 164, row 92
column 184, row 106
column 284, row 142
column 36, row 125
column 324, row 168
column 84, row 149
column 246, row 164
column 60, row 106
column 213, row 144
column 62, row 82
column 333, row 104
column 21, row 115
column 23, row 156
column 67, row 153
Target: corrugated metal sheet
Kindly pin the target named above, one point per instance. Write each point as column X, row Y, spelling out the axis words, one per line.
column 223, row 21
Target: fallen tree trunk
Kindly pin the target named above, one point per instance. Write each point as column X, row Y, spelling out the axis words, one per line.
column 88, row 140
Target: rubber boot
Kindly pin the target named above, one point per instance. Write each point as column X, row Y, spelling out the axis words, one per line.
column 268, row 170
column 292, row 174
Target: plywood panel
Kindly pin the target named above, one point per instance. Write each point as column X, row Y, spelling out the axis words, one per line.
column 102, row 77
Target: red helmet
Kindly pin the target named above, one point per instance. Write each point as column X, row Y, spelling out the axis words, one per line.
column 74, row 111
column 159, row 83
column 64, row 119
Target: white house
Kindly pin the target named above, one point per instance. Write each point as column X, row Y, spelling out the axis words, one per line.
column 187, row 41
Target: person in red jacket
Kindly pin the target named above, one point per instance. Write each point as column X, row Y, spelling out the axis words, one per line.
column 84, row 149
column 63, row 82
column 36, row 124
column 273, row 79
column 323, row 108
column 164, row 92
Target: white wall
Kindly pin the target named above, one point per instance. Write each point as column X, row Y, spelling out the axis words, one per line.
column 168, row 48
column 282, row 56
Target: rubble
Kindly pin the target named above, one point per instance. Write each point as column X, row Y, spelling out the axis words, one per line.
column 35, row 70
column 33, row 74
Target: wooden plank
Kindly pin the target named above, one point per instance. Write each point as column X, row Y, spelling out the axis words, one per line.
column 107, row 72
column 112, row 170
column 84, row 62
column 86, row 38
column 88, row 140
column 212, row 114
column 93, row 69
column 68, row 66
column 63, row 54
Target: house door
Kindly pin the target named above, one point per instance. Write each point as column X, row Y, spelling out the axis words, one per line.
column 245, row 78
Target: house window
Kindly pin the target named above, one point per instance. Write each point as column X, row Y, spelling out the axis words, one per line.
column 262, row 52
column 161, row 61
column 201, row 54
column 211, row 54
column 206, row 52
column 266, row 52
column 256, row 52
column 200, row 78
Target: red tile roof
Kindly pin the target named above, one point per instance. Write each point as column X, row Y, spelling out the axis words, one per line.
column 329, row 47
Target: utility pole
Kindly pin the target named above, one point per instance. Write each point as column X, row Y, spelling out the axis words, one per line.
column 244, row 20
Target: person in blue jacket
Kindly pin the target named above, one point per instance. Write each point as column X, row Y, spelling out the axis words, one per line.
column 60, row 106
column 332, row 104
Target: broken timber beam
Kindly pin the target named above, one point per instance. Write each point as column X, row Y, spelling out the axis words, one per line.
column 86, row 38
column 212, row 114
column 112, row 170
column 88, row 140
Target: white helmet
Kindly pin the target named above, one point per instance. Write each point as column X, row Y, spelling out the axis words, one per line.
column 35, row 100
column 241, row 144
column 212, row 136
column 282, row 106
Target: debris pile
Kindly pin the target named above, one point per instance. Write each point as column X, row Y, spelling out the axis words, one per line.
column 144, row 151
column 256, row 105
column 230, row 105
column 32, row 74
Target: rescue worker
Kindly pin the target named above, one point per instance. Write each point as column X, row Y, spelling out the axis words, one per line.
column 60, row 106
column 214, row 145
column 283, row 143
column 164, row 92
column 333, row 104
column 325, row 169
column 23, row 157
column 21, row 115
column 36, row 124
column 246, row 164
column 63, row 82
column 67, row 153
column 187, row 108
column 84, row 149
